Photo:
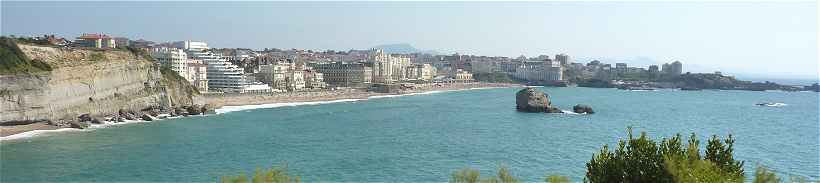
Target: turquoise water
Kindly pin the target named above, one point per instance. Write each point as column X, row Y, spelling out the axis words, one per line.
column 422, row 137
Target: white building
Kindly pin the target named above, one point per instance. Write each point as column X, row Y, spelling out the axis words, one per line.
column 284, row 76
column 191, row 45
column 174, row 58
column 463, row 76
column 389, row 68
column 222, row 75
column 399, row 63
column 198, row 74
column 382, row 66
column 539, row 71
column 313, row 79
column 274, row 75
column 420, row 72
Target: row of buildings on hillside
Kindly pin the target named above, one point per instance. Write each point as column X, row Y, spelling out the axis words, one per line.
column 103, row 41
column 239, row 70
column 206, row 70
column 597, row 70
column 268, row 70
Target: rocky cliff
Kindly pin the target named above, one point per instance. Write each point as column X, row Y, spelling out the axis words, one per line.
column 96, row 82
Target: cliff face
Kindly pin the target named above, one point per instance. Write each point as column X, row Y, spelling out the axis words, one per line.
column 87, row 81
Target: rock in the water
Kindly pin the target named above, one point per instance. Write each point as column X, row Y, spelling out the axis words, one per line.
column 531, row 100
column 84, row 117
column 148, row 117
column 180, row 111
column 206, row 109
column 194, row 110
column 580, row 108
column 120, row 119
column 78, row 124
column 96, row 121
column 129, row 115
column 553, row 110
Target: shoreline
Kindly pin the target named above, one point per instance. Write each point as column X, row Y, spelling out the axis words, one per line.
column 231, row 103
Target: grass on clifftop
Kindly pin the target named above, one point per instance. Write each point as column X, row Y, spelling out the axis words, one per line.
column 14, row 61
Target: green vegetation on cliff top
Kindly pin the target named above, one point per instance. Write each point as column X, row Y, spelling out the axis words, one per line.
column 14, row 61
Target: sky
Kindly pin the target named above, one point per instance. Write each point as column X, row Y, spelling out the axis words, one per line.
column 757, row 39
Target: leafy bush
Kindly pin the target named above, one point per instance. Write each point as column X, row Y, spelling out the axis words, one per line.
column 643, row 160
column 557, row 179
column 272, row 175
column 763, row 175
column 473, row 176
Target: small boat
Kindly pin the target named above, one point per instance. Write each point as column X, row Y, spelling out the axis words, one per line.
column 690, row 89
column 771, row 104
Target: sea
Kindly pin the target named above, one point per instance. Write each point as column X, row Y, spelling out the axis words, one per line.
column 421, row 137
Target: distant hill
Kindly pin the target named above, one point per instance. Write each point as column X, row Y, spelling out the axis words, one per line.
column 403, row 48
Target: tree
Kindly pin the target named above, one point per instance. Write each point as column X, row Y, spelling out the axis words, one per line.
column 763, row 175
column 557, row 179
column 473, row 176
column 272, row 175
column 720, row 153
column 643, row 160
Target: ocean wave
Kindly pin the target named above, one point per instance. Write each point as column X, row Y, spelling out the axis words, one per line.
column 568, row 112
column 35, row 133
column 408, row 94
column 91, row 127
column 227, row 109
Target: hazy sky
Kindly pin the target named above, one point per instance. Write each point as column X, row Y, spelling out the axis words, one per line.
column 751, row 38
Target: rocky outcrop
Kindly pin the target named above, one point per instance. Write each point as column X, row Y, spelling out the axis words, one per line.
column 96, row 120
column 553, row 110
column 78, row 124
column 96, row 83
column 531, row 100
column 148, row 117
column 580, row 108
column 194, row 110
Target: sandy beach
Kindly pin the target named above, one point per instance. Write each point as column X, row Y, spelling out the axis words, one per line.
column 17, row 129
column 220, row 100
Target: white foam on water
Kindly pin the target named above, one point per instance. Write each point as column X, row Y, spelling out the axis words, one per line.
column 408, row 94
column 91, row 127
column 570, row 112
column 227, row 109
column 35, row 133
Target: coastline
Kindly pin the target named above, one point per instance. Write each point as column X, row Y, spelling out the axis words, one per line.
column 230, row 103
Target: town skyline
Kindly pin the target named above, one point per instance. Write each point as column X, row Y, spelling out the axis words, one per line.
column 792, row 44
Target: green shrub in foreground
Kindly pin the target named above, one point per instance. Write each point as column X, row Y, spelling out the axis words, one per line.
column 272, row 175
column 644, row 160
column 473, row 176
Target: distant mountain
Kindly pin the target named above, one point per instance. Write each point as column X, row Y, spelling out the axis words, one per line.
column 403, row 48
